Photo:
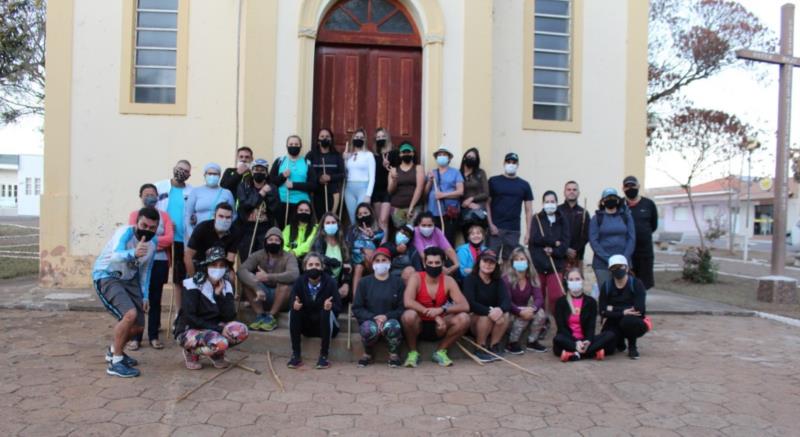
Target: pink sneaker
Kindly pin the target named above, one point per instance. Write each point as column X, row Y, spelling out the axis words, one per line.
column 219, row 361
column 191, row 360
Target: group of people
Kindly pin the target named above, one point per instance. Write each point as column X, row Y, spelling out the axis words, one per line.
column 278, row 238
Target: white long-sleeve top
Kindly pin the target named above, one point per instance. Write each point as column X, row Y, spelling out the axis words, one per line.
column 361, row 168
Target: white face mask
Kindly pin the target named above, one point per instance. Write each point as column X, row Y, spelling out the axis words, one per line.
column 575, row 287
column 381, row 268
column 511, row 169
column 216, row 273
column 550, row 208
column 426, row 231
column 222, row 225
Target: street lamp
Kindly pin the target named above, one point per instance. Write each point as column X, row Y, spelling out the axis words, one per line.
column 750, row 147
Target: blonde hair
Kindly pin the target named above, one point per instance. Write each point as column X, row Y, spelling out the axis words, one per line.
column 512, row 276
column 389, row 145
column 569, row 295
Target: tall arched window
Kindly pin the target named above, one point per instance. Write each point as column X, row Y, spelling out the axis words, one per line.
column 385, row 22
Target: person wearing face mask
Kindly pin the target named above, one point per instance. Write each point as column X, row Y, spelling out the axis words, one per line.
column 378, row 307
column 384, row 148
column 295, row 178
column 611, row 231
column 203, row 200
column 172, row 197
column 468, row 252
column 576, row 318
column 256, row 209
column 121, row 277
column 436, row 310
column 267, row 278
column 405, row 259
column 301, row 231
column 507, row 195
column 363, row 238
column 360, row 165
column 406, row 183
column 489, row 303
column 577, row 219
column 548, row 247
column 218, row 231
column 645, row 221
column 622, row 305
column 234, row 176
column 206, row 322
column 328, row 165
column 315, row 306
column 476, row 191
column 428, row 235
column 444, row 188
column 330, row 243
column 160, row 271
column 527, row 303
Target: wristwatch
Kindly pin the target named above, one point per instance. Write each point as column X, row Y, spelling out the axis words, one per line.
column 444, row 310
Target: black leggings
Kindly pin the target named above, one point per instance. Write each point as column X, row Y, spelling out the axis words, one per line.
column 565, row 342
column 450, row 230
column 627, row 328
column 312, row 323
column 158, row 277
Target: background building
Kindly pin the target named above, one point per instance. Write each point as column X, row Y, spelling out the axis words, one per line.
column 9, row 167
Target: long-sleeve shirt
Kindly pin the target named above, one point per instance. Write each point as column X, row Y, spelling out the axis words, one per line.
column 301, row 245
column 476, row 185
column 588, row 317
column 376, row 297
column 249, row 198
column 467, row 254
column 282, row 268
column 302, row 175
column 118, row 260
column 164, row 235
column 611, row 234
column 327, row 288
column 333, row 167
column 481, row 295
column 613, row 300
column 361, row 168
column 645, row 221
column 555, row 232
column 231, row 179
column 521, row 297
column 201, row 205
column 577, row 219
column 202, row 309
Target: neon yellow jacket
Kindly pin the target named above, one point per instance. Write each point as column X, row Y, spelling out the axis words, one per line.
column 303, row 241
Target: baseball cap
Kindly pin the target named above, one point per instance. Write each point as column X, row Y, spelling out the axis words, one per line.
column 609, row 192
column 511, row 157
column 444, row 149
column 617, row 260
column 488, row 254
column 382, row 251
column 630, row 180
column 406, row 147
column 260, row 163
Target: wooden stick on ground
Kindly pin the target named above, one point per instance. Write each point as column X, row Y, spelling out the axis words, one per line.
column 274, row 374
column 249, row 369
column 232, row 366
column 513, row 364
column 469, row 354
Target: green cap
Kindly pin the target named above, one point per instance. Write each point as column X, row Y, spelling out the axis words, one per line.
column 406, row 147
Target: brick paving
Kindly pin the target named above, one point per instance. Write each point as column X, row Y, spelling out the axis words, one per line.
column 699, row 375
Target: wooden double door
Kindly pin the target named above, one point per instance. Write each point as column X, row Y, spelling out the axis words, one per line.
column 368, row 87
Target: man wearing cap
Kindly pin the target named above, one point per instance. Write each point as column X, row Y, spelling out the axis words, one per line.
column 444, row 188
column 232, row 177
column 267, row 278
column 378, row 306
column 622, row 305
column 489, row 302
column 256, row 203
column 611, row 231
column 507, row 193
column 645, row 220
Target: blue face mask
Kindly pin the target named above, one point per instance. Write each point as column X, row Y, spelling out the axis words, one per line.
column 212, row 180
column 442, row 160
column 520, row 265
column 222, row 225
column 401, row 239
column 331, row 228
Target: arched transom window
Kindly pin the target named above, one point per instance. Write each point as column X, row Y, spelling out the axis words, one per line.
column 382, row 22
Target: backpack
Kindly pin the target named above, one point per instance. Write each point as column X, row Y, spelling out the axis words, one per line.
column 622, row 214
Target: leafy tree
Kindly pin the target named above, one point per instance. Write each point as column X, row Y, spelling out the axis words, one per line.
column 22, row 44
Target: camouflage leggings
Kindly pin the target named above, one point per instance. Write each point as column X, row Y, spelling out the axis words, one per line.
column 370, row 334
column 518, row 325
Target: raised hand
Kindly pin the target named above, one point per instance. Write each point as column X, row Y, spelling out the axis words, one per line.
column 328, row 304
column 297, row 306
column 141, row 248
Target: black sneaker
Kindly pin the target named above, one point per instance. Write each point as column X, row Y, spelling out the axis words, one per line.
column 483, row 357
column 294, row 362
column 322, row 362
column 575, row 357
column 514, row 348
column 633, row 353
column 536, row 347
column 394, row 361
column 621, row 345
column 497, row 351
column 128, row 361
column 543, row 332
column 365, row 361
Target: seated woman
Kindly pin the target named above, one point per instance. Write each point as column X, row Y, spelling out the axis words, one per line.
column 405, row 258
column 315, row 307
column 576, row 316
column 527, row 303
column 622, row 305
column 489, row 303
column 427, row 234
column 205, row 324
column 336, row 255
column 364, row 237
column 301, row 231
column 468, row 252
column 378, row 307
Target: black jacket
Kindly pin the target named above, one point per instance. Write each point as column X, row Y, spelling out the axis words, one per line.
column 402, row 260
column 328, row 288
column 248, row 198
column 588, row 316
column 558, row 231
column 577, row 219
column 614, row 301
column 231, row 180
column 277, row 179
column 481, row 296
column 377, row 297
column 334, row 167
column 645, row 220
column 197, row 312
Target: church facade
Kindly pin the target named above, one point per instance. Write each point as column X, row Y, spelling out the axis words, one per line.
column 135, row 85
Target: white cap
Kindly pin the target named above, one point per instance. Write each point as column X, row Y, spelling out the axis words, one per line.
column 618, row 260
column 443, row 148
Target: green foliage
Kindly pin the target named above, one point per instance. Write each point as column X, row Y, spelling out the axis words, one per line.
column 22, row 46
column 698, row 266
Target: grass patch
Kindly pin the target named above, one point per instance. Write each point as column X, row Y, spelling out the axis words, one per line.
column 15, row 267
column 733, row 291
column 7, row 230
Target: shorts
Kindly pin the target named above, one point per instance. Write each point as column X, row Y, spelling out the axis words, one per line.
column 269, row 291
column 428, row 331
column 119, row 297
column 382, row 197
column 178, row 267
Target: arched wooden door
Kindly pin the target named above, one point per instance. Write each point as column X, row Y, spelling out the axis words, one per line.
column 368, row 72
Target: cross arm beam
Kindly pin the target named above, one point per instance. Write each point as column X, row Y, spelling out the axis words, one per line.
column 772, row 58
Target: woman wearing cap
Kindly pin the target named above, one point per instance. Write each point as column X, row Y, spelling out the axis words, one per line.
column 406, row 182
column 576, row 318
column 328, row 164
column 622, row 305
column 295, row 178
column 476, row 191
column 380, row 192
column 378, row 307
column 256, row 202
column 315, row 305
column 527, row 303
column 444, row 189
column 489, row 304
column 331, row 245
column 205, row 324
column 427, row 234
column 611, row 231
column 301, row 231
column 548, row 246
column 468, row 252
column 203, row 200
column 360, row 164
column 363, row 238
column 405, row 258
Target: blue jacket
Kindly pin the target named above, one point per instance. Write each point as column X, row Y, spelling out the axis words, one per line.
column 465, row 260
column 616, row 235
column 118, row 260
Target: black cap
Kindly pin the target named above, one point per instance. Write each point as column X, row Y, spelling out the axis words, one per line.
column 511, row 157
column 630, row 180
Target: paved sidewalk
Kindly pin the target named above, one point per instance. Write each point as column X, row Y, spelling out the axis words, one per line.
column 729, row 266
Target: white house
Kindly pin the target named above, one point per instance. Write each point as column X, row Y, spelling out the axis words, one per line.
column 31, row 184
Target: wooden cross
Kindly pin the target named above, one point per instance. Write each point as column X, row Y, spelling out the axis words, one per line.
column 786, row 60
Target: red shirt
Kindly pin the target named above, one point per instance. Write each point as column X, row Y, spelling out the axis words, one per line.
column 424, row 298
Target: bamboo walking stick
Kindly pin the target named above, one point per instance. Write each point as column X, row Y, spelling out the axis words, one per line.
column 233, row 366
column 550, row 257
column 438, row 202
column 344, row 184
column 272, row 370
column 349, row 324
column 172, row 297
column 325, row 186
column 511, row 363
column 469, row 354
column 249, row 252
column 249, row 369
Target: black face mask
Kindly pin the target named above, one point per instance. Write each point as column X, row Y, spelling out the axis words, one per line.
column 380, row 144
column 433, row 272
column 314, row 273
column 293, row 150
column 358, row 143
column 365, row 220
column 180, row 175
column 148, row 235
column 619, row 273
column 631, row 193
column 326, row 143
column 303, row 217
column 611, row 203
column 470, row 162
column 272, row 248
column 408, row 159
column 260, row 177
